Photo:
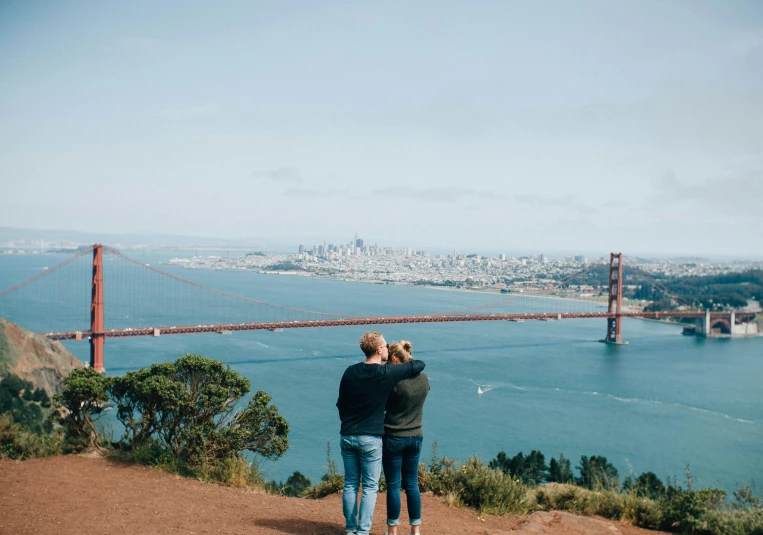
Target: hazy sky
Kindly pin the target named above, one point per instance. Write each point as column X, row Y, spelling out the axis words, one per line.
column 588, row 125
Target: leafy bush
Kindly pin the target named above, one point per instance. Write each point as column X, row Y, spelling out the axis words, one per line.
column 18, row 442
column 531, row 470
column 25, row 404
column 490, row 490
column 627, row 507
column 235, row 472
column 474, row 484
column 734, row 522
column 597, row 473
column 295, row 486
column 82, row 399
column 439, row 476
column 685, row 511
column 560, row 471
column 647, row 484
column 332, row 481
column 188, row 408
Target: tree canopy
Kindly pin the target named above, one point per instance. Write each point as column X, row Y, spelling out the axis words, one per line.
column 189, row 408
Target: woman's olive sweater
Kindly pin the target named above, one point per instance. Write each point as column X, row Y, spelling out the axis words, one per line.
column 405, row 407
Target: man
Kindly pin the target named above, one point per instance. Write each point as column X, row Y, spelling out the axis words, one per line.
column 363, row 394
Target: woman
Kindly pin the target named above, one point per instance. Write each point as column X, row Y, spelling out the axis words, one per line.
column 402, row 441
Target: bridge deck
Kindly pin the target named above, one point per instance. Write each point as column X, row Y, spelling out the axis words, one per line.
column 378, row 320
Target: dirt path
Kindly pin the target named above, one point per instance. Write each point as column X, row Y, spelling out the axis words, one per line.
column 89, row 496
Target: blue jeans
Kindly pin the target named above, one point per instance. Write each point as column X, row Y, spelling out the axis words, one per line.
column 362, row 456
column 401, row 467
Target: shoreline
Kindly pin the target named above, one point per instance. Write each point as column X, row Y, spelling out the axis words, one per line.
column 495, row 291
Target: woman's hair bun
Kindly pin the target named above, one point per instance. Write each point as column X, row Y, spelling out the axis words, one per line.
column 406, row 345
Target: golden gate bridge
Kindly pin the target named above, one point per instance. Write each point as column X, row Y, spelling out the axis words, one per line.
column 67, row 302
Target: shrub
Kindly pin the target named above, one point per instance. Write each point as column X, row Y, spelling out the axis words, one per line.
column 490, row 490
column 597, row 473
column 560, row 471
column 295, row 486
column 734, row 522
column 188, row 407
column 647, row 484
column 331, row 482
column 17, row 442
column 25, row 405
column 531, row 470
column 627, row 507
column 684, row 511
column 439, row 476
column 474, row 484
column 150, row 453
column 81, row 401
column 234, row 472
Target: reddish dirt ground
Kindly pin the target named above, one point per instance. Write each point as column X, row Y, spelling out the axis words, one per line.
column 89, row 496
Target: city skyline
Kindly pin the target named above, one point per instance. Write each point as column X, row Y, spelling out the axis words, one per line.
column 586, row 126
column 46, row 239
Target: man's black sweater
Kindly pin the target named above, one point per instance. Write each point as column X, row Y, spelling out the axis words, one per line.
column 363, row 394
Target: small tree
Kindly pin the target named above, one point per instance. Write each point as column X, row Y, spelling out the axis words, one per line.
column 501, row 462
column 13, row 385
column 295, row 485
column 597, row 473
column 189, row 407
column 647, row 485
column 80, row 402
column 532, row 469
column 560, row 471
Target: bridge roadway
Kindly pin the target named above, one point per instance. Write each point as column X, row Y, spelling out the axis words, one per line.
column 378, row 320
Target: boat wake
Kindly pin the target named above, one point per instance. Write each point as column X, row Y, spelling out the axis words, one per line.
column 619, row 399
column 675, row 405
column 482, row 388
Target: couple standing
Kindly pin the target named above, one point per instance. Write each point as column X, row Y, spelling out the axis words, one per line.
column 370, row 438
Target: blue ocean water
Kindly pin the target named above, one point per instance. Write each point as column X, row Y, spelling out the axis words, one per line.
column 661, row 403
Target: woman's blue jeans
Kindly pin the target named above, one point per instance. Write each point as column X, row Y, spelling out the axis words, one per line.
column 401, row 469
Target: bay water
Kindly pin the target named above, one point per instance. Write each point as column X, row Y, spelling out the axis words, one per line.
column 661, row 403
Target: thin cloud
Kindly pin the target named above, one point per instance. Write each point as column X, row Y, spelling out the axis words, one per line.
column 446, row 194
column 191, row 110
column 616, row 204
column 311, row 193
column 282, row 174
column 565, row 200
column 738, row 194
column 746, row 44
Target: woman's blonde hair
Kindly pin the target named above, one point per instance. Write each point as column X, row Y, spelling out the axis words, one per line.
column 401, row 351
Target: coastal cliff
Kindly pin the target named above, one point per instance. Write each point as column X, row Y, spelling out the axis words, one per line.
column 34, row 358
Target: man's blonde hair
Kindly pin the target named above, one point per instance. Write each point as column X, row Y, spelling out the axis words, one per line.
column 369, row 342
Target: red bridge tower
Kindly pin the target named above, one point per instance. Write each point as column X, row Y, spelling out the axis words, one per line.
column 97, row 336
column 615, row 309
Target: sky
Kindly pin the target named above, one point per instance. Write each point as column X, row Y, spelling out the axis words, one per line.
column 551, row 125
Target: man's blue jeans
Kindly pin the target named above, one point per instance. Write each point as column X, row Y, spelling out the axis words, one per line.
column 401, row 468
column 362, row 456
